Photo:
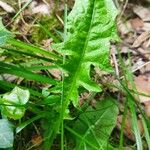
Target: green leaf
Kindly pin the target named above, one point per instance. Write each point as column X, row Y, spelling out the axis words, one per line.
column 4, row 33
column 91, row 27
column 5, row 85
column 25, row 73
column 14, row 103
column 96, row 125
column 26, row 123
column 32, row 49
column 6, row 134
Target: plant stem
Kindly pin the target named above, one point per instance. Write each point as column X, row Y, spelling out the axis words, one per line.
column 64, row 58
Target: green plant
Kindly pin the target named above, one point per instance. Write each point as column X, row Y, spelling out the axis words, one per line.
column 92, row 129
column 132, row 106
column 89, row 28
column 6, row 134
column 14, row 103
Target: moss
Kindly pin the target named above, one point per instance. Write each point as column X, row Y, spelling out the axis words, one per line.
column 45, row 28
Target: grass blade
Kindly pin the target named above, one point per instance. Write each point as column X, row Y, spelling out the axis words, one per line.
column 146, row 132
column 9, row 86
column 22, row 9
column 28, row 54
column 32, row 48
column 22, row 72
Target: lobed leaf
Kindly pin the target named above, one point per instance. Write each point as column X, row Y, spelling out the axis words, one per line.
column 91, row 27
column 25, row 73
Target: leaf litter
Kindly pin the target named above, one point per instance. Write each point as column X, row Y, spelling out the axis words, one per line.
column 134, row 29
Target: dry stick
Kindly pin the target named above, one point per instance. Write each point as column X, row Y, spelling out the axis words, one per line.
column 61, row 21
column 116, row 3
column 116, row 64
column 44, row 1
column 18, row 13
column 123, row 9
column 21, row 15
column 141, row 66
column 116, row 70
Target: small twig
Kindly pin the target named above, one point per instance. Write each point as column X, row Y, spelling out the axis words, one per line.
column 123, row 9
column 61, row 21
column 116, row 64
column 141, row 66
column 18, row 13
column 44, row 1
column 116, row 3
column 115, row 61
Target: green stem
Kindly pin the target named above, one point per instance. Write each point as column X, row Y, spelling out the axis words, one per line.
column 63, row 77
column 122, row 127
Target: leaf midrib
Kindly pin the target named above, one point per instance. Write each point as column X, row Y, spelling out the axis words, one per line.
column 81, row 58
column 66, row 101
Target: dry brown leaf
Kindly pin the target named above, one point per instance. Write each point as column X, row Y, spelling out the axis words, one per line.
column 126, row 50
column 36, row 140
column 128, row 131
column 129, row 39
column 142, row 12
column 7, row 7
column 136, row 23
column 46, row 43
column 146, row 44
column 124, row 28
column 10, row 78
column 42, row 9
column 143, row 37
column 56, row 73
column 138, row 64
column 143, row 51
column 142, row 84
column 147, row 108
column 83, row 98
column 146, row 26
column 146, row 68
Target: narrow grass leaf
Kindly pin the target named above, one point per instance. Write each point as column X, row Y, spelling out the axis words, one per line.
column 146, row 132
column 26, row 123
column 32, row 48
column 7, row 86
column 22, row 9
column 22, row 72
column 27, row 54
